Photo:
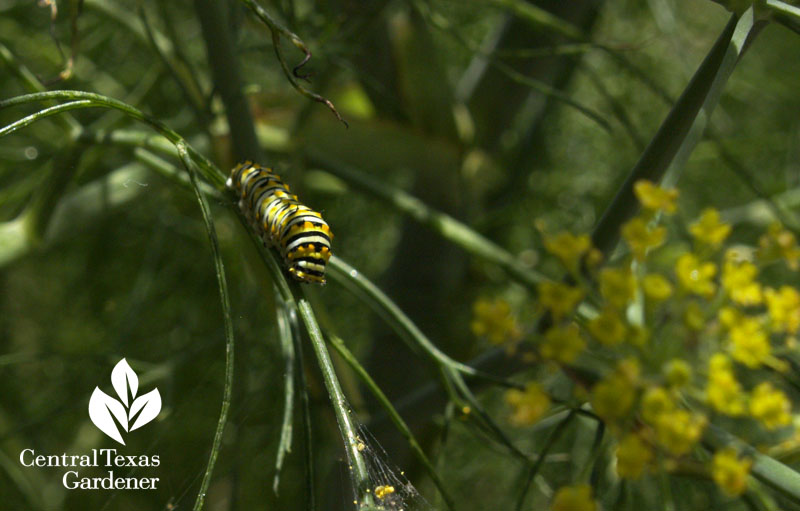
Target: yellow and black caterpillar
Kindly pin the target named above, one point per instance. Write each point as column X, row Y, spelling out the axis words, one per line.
column 298, row 232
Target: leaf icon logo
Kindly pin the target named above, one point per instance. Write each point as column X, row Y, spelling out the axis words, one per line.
column 129, row 412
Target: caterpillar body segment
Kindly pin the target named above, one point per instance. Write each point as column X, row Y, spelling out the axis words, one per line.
column 299, row 233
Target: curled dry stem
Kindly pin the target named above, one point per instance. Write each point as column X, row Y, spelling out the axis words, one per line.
column 292, row 75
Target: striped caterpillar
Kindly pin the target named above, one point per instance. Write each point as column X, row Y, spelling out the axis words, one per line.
column 298, row 232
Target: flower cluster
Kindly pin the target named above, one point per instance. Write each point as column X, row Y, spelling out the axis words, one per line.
column 529, row 405
column 493, row 319
column 730, row 472
column 574, row 498
column 678, row 334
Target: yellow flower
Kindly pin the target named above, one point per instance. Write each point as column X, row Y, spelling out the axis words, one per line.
column 617, row 286
column 655, row 403
column 723, row 391
column 642, row 238
column 728, row 317
column 629, row 369
column 608, row 328
column 770, row 406
column 738, row 279
column 678, row 372
column 655, row 198
column 529, row 405
column 779, row 243
column 693, row 317
column 493, row 319
column 639, row 335
column 577, row 497
column 719, row 362
column 709, row 229
column 613, row 396
column 656, row 287
column 750, row 342
column 678, row 431
column 784, row 309
column 594, row 258
column 725, row 394
column 729, row 472
column 568, row 248
column 559, row 299
column 633, row 455
column 562, row 343
column 695, row 276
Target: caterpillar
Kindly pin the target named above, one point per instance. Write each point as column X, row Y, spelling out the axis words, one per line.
column 298, row 232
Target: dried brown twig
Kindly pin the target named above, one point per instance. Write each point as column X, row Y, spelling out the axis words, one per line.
column 292, row 75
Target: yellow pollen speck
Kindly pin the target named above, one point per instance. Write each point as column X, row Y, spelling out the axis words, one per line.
column 382, row 491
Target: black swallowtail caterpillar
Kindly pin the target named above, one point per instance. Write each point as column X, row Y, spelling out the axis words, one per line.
column 298, row 232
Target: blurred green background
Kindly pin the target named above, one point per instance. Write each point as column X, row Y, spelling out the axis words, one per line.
column 444, row 99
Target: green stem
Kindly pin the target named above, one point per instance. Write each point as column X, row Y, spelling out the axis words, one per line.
column 395, row 417
column 341, row 408
column 293, row 298
column 308, row 445
column 32, row 84
column 538, row 85
column 766, row 469
column 783, row 8
column 42, row 114
column 224, row 64
column 554, row 435
column 210, row 172
column 382, row 305
column 552, row 92
column 226, row 316
column 189, row 90
column 451, row 370
column 131, row 138
column 443, row 224
column 539, row 18
column 669, row 140
column 287, row 351
column 174, row 174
